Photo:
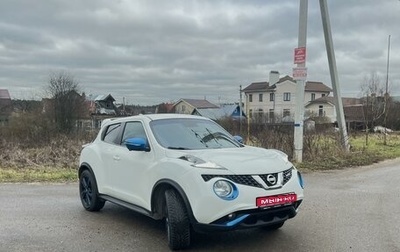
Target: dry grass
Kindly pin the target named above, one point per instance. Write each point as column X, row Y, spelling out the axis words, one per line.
column 59, row 153
column 57, row 161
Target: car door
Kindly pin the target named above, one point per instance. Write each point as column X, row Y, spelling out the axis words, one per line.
column 110, row 141
column 128, row 173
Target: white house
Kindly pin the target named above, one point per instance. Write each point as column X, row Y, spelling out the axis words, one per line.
column 325, row 107
column 275, row 100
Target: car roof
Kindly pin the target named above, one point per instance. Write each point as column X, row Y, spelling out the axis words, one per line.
column 150, row 117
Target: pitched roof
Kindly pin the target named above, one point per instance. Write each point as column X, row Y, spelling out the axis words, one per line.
column 324, row 99
column 104, row 98
column 197, row 103
column 217, row 113
column 286, row 78
column 346, row 101
column 311, row 86
column 316, row 86
column 255, row 86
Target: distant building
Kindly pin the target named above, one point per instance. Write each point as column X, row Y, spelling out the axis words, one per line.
column 5, row 106
column 187, row 106
column 275, row 100
column 99, row 107
column 325, row 107
column 231, row 111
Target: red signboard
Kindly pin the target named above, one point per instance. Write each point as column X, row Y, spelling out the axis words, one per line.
column 300, row 73
column 276, row 200
column 299, row 55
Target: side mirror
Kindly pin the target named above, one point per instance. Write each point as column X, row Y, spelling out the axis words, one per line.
column 238, row 139
column 137, row 144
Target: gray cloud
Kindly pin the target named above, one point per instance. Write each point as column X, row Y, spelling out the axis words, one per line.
column 158, row 51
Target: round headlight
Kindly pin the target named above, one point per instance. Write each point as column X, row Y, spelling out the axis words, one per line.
column 225, row 190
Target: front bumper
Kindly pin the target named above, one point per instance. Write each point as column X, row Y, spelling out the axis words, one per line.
column 250, row 218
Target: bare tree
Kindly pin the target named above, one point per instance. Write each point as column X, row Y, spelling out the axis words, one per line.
column 65, row 105
column 373, row 91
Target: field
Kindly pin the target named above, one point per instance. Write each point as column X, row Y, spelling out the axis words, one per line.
column 58, row 160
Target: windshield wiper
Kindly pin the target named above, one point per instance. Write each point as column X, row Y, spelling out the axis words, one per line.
column 177, row 148
column 199, row 137
column 212, row 136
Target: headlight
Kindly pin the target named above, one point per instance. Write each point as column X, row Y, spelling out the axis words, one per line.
column 225, row 190
column 200, row 163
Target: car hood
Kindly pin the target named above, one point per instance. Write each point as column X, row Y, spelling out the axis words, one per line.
column 245, row 160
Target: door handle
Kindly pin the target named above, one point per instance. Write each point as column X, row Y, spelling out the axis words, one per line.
column 116, row 158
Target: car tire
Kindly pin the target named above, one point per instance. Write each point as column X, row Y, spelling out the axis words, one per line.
column 177, row 221
column 89, row 193
column 274, row 226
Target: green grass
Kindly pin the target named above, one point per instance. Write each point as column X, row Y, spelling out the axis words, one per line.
column 361, row 153
column 43, row 174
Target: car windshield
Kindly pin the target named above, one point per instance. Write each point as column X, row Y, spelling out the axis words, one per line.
column 191, row 134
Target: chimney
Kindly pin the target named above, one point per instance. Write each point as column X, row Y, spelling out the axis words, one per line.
column 273, row 77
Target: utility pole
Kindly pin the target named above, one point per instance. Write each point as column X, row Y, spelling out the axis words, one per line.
column 240, row 110
column 334, row 75
column 301, row 71
column 387, row 90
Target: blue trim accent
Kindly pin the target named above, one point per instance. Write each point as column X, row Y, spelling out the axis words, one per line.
column 237, row 220
column 233, row 195
column 301, row 181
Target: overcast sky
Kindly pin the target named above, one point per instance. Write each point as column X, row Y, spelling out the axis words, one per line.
column 154, row 51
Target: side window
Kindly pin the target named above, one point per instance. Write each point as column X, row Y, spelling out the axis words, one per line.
column 111, row 133
column 133, row 129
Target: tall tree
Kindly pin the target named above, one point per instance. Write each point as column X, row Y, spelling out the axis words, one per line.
column 65, row 105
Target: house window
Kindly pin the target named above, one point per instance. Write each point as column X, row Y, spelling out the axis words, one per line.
column 271, row 115
column 321, row 110
column 312, row 96
column 260, row 97
column 322, row 95
column 286, row 96
column 286, row 112
column 271, row 97
column 250, row 98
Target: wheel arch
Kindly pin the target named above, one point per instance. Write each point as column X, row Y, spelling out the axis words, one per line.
column 158, row 199
column 85, row 166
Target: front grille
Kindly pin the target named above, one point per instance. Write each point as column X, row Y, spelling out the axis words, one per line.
column 250, row 181
column 240, row 179
column 268, row 181
column 287, row 175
